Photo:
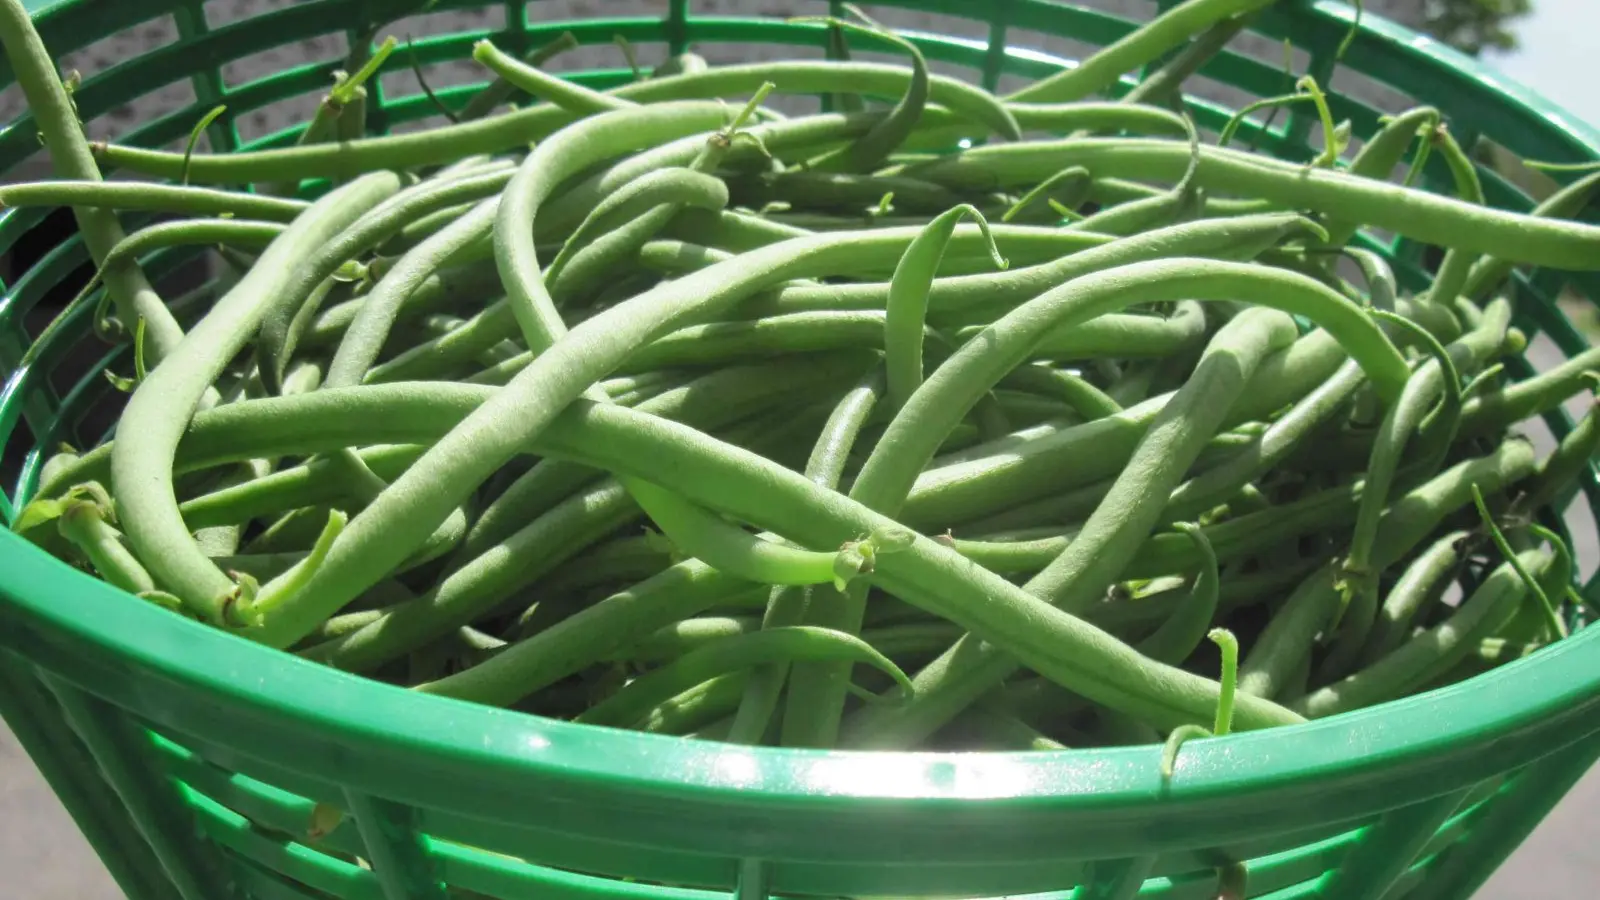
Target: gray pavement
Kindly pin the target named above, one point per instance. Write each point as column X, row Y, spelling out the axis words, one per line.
column 42, row 855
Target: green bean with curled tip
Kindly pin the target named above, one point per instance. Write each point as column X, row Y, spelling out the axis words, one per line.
column 1414, row 213
column 159, row 410
column 1436, row 649
column 1456, row 268
column 907, row 304
column 793, row 642
column 1101, row 550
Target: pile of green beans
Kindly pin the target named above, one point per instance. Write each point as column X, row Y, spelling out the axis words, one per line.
column 656, row 409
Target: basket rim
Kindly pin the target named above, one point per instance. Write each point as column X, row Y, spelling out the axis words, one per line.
column 1354, row 763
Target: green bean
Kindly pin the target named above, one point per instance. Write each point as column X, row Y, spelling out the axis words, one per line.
column 83, row 522
column 1377, row 159
column 682, row 591
column 697, row 711
column 907, row 304
column 1070, row 388
column 566, row 211
column 869, row 150
column 1149, row 42
column 1491, row 411
column 1422, row 583
column 675, row 640
column 1564, row 467
column 476, row 586
column 728, row 548
column 500, row 90
column 980, row 363
column 1116, row 191
column 159, row 410
column 346, row 159
column 1318, row 407
column 1417, row 214
column 786, row 605
column 1125, row 336
column 794, row 642
column 968, row 297
column 1165, row 83
column 672, row 185
column 798, row 77
column 1179, row 635
column 559, row 91
column 293, row 311
column 1110, row 539
column 714, row 398
column 316, row 482
column 937, row 132
column 1408, row 520
column 815, row 190
column 1424, row 388
column 363, row 340
column 772, row 497
column 56, row 117
column 138, row 196
column 437, row 291
column 1489, row 273
column 1438, row 648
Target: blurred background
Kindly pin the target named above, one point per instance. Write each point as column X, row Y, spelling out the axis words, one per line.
column 1547, row 45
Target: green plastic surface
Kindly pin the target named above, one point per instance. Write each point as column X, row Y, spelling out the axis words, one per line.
column 193, row 760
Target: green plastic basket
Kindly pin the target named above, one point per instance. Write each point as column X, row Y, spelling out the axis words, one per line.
column 192, row 760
